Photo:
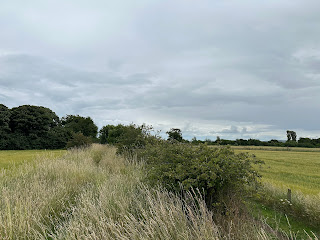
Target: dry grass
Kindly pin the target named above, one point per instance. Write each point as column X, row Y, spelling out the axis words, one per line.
column 95, row 194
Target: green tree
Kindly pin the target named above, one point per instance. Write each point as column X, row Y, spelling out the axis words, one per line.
column 4, row 126
column 79, row 140
column 78, row 124
column 57, row 138
column 175, row 134
column 36, row 120
column 291, row 136
column 125, row 137
column 30, row 126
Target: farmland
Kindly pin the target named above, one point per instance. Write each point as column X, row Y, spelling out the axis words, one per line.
column 297, row 169
column 64, row 194
column 12, row 158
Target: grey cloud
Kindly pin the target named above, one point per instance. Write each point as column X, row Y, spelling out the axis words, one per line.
column 237, row 63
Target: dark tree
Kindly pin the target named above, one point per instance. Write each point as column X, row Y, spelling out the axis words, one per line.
column 57, row 138
column 291, row 136
column 78, row 124
column 4, row 119
column 32, row 120
column 30, row 126
column 288, row 135
column 175, row 134
column 4, row 126
column 79, row 140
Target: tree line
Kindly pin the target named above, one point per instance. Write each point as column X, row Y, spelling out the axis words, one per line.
column 37, row 127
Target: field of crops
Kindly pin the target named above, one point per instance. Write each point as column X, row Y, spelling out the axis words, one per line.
column 294, row 169
column 17, row 157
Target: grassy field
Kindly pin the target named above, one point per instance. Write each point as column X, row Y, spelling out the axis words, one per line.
column 297, row 169
column 95, row 194
column 17, row 157
column 294, row 168
column 268, row 148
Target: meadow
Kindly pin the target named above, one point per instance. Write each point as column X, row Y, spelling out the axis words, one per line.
column 14, row 158
column 297, row 169
column 93, row 193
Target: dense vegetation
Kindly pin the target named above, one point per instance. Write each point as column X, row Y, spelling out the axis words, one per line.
column 36, row 127
column 211, row 182
column 302, row 142
column 93, row 193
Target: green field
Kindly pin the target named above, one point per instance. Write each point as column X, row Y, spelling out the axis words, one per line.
column 297, row 169
column 16, row 157
column 43, row 193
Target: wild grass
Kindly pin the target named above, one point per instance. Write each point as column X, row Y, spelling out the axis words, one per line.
column 298, row 171
column 95, row 194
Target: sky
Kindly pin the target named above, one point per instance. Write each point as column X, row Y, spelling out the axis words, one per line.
column 227, row 68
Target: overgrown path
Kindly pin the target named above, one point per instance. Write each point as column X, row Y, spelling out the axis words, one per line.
column 93, row 193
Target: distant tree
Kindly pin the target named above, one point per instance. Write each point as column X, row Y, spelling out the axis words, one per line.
column 78, row 124
column 218, row 140
column 306, row 142
column 274, row 142
column 30, row 126
column 175, row 134
column 4, row 126
column 79, row 140
column 4, row 119
column 124, row 137
column 57, row 138
column 29, row 120
column 288, row 135
column 291, row 136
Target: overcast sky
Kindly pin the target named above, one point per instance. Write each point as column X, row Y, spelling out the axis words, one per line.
column 228, row 68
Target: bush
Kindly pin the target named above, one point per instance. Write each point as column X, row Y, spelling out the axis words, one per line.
column 214, row 171
column 126, row 138
column 79, row 140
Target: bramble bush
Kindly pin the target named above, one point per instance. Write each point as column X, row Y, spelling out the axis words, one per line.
column 214, row 171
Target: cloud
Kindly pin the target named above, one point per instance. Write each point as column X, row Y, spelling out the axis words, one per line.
column 238, row 69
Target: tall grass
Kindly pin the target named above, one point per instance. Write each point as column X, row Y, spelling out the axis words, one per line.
column 302, row 207
column 95, row 194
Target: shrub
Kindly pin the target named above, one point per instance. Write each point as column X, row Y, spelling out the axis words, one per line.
column 126, row 138
column 79, row 140
column 214, row 171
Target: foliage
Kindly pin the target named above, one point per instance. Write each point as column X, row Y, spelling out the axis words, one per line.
column 4, row 119
column 301, row 207
column 77, row 197
column 175, row 134
column 32, row 120
column 212, row 170
column 126, row 138
column 4, row 126
column 57, row 138
column 78, row 124
column 79, row 140
column 30, row 128
column 291, row 136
